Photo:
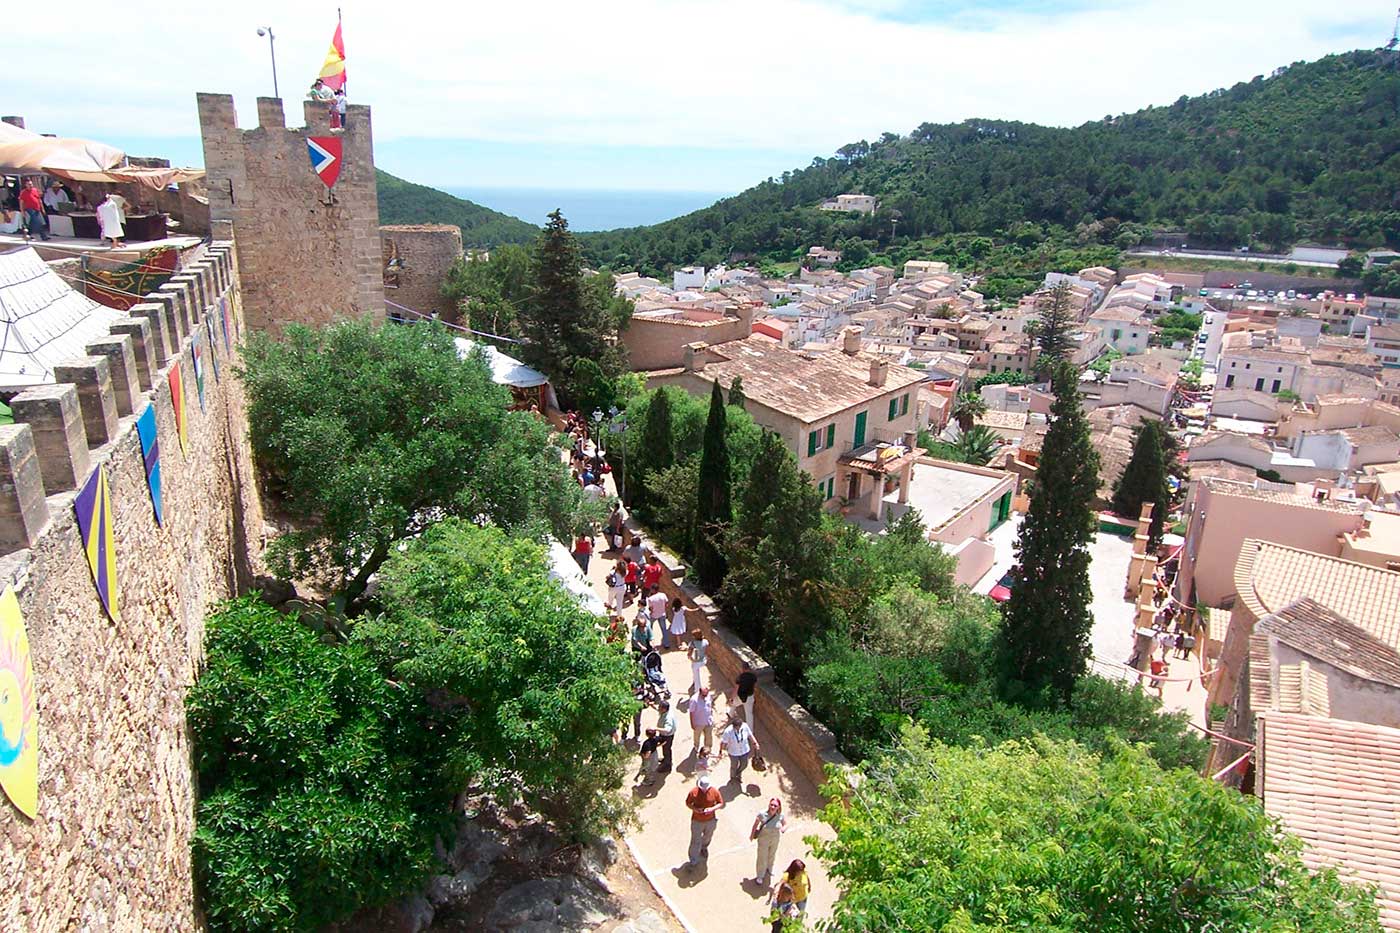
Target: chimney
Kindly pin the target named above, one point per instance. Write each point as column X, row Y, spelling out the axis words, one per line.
column 879, row 369
column 693, row 356
column 850, row 341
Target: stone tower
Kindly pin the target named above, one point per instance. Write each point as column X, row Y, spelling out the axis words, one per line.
column 417, row 258
column 305, row 254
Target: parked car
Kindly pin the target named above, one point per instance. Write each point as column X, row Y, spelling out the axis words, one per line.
column 1002, row 591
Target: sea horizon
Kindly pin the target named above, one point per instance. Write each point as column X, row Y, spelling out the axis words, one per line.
column 589, row 209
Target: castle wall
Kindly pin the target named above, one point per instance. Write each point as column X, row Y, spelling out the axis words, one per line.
column 110, row 847
column 425, row 253
column 308, row 254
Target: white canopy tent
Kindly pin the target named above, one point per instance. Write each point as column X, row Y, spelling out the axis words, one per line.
column 507, row 370
column 43, row 320
column 566, row 570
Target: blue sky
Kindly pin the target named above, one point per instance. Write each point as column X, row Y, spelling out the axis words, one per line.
column 657, row 94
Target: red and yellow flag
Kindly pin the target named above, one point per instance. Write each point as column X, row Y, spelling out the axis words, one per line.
column 333, row 69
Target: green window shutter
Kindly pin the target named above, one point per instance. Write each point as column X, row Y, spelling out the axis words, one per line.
column 894, row 409
column 904, row 404
column 831, row 435
column 860, row 429
column 812, row 443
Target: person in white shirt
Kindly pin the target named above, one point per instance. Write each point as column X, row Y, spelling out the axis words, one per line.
column 665, row 731
column 677, row 624
column 699, row 649
column 56, row 196
column 340, row 107
column 656, row 613
column 702, row 721
column 110, row 217
column 739, row 744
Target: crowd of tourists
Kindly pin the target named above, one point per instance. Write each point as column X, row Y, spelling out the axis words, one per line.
column 634, row 582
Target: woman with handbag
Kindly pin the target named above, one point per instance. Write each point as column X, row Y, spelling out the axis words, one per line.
column 768, row 828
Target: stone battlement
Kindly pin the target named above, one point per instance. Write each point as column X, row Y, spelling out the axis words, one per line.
column 309, row 254
column 109, row 847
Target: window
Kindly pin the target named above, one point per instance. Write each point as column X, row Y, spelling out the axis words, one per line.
column 894, row 409
column 1229, row 381
column 827, row 487
column 1276, row 387
column 1259, row 384
column 904, row 404
column 821, row 439
column 859, row 438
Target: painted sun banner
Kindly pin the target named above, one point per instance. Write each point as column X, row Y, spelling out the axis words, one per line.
column 94, row 509
column 19, row 711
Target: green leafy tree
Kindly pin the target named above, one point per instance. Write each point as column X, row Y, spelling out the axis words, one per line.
column 369, row 434
column 473, row 621
column 1144, row 480
column 489, row 292
column 713, row 510
column 656, row 451
column 967, row 408
column 321, row 785
column 1045, row 836
column 1045, row 631
column 977, row 446
column 736, row 393
column 1055, row 328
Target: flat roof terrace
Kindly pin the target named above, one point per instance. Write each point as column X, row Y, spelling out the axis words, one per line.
column 940, row 491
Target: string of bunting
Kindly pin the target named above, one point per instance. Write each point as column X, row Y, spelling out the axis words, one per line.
column 93, row 508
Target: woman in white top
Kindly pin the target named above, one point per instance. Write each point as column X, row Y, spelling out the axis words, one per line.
column 677, row 624
column 768, row 829
column 110, row 217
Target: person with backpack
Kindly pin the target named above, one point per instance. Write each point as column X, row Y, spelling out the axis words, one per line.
column 617, row 586
column 739, row 744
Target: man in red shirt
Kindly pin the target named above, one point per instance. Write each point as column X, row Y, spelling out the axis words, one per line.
column 33, row 207
column 705, row 803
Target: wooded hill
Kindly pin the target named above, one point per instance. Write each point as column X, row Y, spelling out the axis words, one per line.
column 403, row 202
column 1311, row 152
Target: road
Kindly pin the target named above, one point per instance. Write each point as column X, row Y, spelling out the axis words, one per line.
column 1230, row 257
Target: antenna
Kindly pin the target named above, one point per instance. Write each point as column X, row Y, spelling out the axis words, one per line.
column 1395, row 33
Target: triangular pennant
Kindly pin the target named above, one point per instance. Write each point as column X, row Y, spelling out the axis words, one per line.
column 197, row 354
column 213, row 346
column 150, row 452
column 325, row 157
column 177, row 402
column 19, row 726
column 223, row 317
column 94, row 508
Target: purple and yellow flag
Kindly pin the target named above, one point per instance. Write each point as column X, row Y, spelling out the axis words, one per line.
column 150, row 452
column 94, row 508
column 177, row 402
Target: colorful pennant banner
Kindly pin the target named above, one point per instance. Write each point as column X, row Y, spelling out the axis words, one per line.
column 94, row 508
column 150, row 451
column 197, row 354
column 213, row 346
column 177, row 402
column 223, row 315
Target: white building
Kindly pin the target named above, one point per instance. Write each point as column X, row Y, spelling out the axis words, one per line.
column 688, row 277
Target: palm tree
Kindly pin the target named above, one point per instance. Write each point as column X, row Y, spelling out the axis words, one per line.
column 977, row 446
column 966, row 407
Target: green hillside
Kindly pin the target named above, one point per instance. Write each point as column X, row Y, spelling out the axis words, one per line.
column 403, row 202
column 1309, row 153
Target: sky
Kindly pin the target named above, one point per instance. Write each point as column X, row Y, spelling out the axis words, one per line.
column 657, row 95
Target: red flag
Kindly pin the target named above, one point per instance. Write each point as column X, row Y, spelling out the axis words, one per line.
column 325, row 157
column 333, row 69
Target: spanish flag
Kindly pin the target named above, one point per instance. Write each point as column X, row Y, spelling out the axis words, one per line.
column 333, row 69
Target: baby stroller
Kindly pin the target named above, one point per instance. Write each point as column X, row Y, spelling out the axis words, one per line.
column 654, row 679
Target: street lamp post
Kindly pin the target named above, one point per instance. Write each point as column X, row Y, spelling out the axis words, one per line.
column 614, row 427
column 272, row 50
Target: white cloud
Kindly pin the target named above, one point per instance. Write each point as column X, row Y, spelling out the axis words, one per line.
column 789, row 74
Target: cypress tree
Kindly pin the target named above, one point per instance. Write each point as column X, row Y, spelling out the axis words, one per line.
column 713, row 510
column 1052, row 336
column 736, row 393
column 658, row 449
column 1144, row 479
column 1045, row 630
column 555, row 311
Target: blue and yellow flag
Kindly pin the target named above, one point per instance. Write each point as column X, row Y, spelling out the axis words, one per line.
column 94, row 508
column 150, row 452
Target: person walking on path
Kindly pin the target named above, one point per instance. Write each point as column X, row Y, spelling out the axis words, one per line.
column 699, row 648
column 783, row 906
column 641, row 636
column 704, row 802
column 665, row 731
column 796, row 878
column 630, row 578
column 677, row 623
column 651, row 574
column 617, row 586
column 702, row 719
column 768, row 828
column 656, row 612
column 739, row 744
column 583, row 550
column 744, row 686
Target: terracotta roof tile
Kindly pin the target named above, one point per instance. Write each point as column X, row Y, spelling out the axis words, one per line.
column 1336, row 784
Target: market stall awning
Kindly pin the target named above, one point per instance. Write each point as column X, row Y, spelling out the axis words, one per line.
column 43, row 321
column 155, row 178
column 505, row 370
column 25, row 153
